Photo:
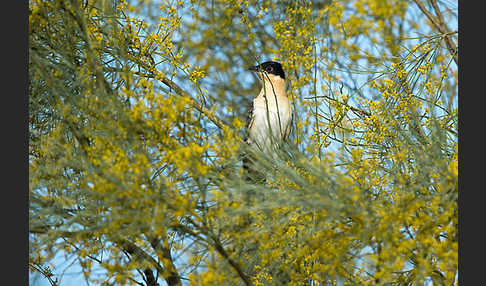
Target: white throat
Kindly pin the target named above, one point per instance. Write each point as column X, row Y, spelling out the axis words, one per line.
column 273, row 85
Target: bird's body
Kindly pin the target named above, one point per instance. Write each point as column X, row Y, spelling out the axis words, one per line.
column 269, row 121
column 270, row 115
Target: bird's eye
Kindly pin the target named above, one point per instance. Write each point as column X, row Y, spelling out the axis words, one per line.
column 269, row 69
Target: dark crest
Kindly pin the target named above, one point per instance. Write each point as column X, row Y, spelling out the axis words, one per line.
column 270, row 67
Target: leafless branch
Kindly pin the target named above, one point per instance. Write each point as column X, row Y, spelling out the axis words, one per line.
column 45, row 271
column 440, row 26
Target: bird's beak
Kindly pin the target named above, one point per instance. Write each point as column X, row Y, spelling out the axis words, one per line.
column 254, row 68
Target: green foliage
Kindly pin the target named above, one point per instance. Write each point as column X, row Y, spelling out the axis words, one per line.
column 135, row 116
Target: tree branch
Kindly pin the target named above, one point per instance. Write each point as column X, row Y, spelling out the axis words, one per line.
column 222, row 251
column 46, row 272
column 204, row 110
column 440, row 26
column 445, row 29
column 172, row 277
column 179, row 91
column 127, row 246
column 139, row 253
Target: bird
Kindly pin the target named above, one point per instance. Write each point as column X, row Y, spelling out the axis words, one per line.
column 269, row 118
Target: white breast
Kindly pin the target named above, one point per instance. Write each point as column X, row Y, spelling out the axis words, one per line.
column 270, row 124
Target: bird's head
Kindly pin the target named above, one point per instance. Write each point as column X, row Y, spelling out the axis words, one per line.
column 269, row 70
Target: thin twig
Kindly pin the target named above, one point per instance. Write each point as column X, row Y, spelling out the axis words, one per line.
column 439, row 24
